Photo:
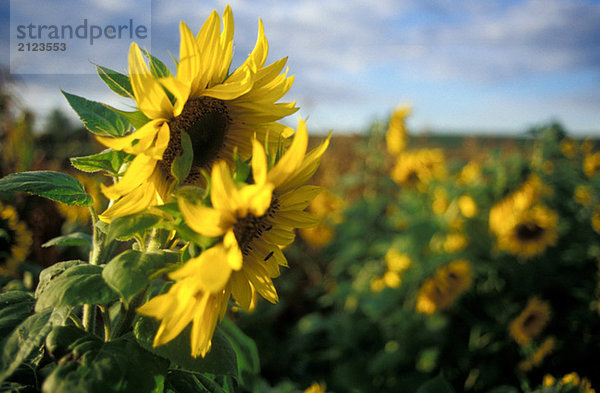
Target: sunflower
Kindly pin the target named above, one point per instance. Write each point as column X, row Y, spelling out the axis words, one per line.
column 255, row 222
column 414, row 168
column 15, row 240
column 571, row 380
column 529, row 233
column 530, row 322
column 584, row 195
column 219, row 111
column 327, row 207
column 396, row 135
column 591, row 164
column 316, row 388
column 467, row 206
column 448, row 283
column 470, row 173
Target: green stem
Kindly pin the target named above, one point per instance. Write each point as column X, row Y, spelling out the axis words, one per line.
column 89, row 310
column 106, row 320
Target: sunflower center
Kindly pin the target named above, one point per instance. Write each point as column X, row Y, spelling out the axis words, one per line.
column 529, row 321
column 529, row 231
column 206, row 120
column 251, row 227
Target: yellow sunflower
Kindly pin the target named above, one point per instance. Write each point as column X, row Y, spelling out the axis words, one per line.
column 467, row 206
column 530, row 322
column 396, row 135
column 448, row 283
column 414, row 168
column 328, row 208
column 15, row 240
column 569, row 380
column 316, row 388
column 220, row 111
column 591, row 164
column 470, row 173
column 529, row 233
column 255, row 222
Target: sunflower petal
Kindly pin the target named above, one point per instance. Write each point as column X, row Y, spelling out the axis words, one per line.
column 292, row 158
column 202, row 219
column 139, row 170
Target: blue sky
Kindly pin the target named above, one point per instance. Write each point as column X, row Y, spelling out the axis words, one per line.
column 470, row 65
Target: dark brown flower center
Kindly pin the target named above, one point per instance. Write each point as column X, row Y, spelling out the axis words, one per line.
column 206, row 120
column 249, row 228
column 530, row 320
column 529, row 231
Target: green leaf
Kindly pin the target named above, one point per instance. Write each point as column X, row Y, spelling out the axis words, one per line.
column 136, row 118
column 59, row 339
column 52, row 272
column 126, row 227
column 117, row 82
column 220, row 360
column 245, row 349
column 98, row 118
column 157, row 67
column 79, row 284
column 109, row 160
column 57, row 186
column 242, row 169
column 73, row 239
column 15, row 306
column 28, row 336
column 182, row 164
column 436, row 385
column 92, row 365
column 130, row 272
column 183, row 382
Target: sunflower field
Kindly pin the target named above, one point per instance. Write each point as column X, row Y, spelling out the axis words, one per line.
column 198, row 243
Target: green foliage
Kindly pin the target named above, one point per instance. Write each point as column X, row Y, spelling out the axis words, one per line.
column 109, row 160
column 126, row 227
column 130, row 272
column 57, row 186
column 183, row 163
column 72, row 239
column 90, row 364
column 117, row 82
column 98, row 118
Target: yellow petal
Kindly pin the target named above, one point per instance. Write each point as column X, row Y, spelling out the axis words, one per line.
column 136, row 201
column 224, row 193
column 126, row 142
column 211, row 269
column 234, row 254
column 292, row 158
column 259, row 163
column 261, row 281
column 296, row 219
column 226, row 41
column 238, row 84
column 308, row 167
column 204, row 220
column 255, row 199
column 189, row 62
column 208, row 41
column 149, row 95
column 139, row 171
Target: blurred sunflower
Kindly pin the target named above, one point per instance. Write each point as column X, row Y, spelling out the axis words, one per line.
column 316, row 388
column 591, row 164
column 595, row 220
column 545, row 348
column 530, row 232
column 396, row 136
column 583, row 195
column 467, row 206
column 15, row 240
column 415, row 168
column 448, row 283
column 470, row 173
column 568, row 147
column 328, row 208
column 255, row 221
column 219, row 110
column 440, row 201
column 571, row 380
column 530, row 322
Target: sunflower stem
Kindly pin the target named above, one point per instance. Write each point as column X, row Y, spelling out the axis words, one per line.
column 89, row 310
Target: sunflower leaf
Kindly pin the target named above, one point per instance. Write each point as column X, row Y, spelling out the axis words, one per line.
column 92, row 365
column 436, row 385
column 183, row 163
column 126, row 227
column 136, row 118
column 109, row 160
column 72, row 239
column 98, row 118
column 77, row 285
column 130, row 272
column 157, row 67
column 117, row 82
column 57, row 186
column 245, row 350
